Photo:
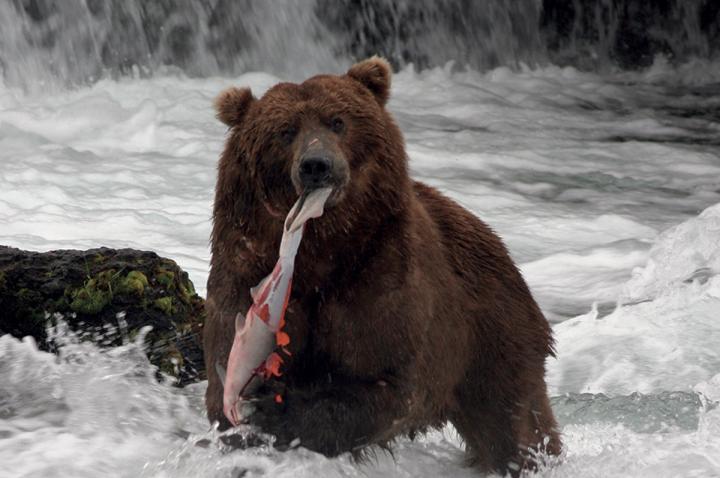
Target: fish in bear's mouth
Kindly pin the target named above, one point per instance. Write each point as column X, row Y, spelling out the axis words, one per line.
column 260, row 333
column 335, row 196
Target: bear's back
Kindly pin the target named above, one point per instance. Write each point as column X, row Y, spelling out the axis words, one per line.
column 497, row 299
column 470, row 245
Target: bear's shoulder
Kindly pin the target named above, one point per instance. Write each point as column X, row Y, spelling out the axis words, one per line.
column 470, row 245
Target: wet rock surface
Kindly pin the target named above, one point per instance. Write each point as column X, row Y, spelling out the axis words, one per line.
column 108, row 296
column 628, row 33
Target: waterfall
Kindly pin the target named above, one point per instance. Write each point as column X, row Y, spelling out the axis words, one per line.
column 78, row 41
column 593, row 34
column 46, row 43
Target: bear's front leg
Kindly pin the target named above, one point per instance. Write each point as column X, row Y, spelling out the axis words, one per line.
column 332, row 419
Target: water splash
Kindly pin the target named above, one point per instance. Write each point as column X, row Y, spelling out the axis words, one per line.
column 686, row 253
column 94, row 412
column 87, row 411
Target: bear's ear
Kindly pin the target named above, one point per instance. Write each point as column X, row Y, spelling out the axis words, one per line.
column 375, row 74
column 232, row 104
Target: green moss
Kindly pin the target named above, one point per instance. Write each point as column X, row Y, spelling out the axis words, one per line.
column 90, row 300
column 166, row 279
column 185, row 292
column 3, row 283
column 134, row 283
column 95, row 294
column 105, row 278
column 98, row 259
column 28, row 296
column 165, row 304
column 138, row 276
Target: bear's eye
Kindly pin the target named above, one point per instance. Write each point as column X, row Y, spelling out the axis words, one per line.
column 337, row 125
column 288, row 134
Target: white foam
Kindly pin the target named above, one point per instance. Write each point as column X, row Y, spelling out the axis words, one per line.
column 665, row 336
column 687, row 251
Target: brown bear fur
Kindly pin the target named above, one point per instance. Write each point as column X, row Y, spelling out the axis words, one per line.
column 406, row 310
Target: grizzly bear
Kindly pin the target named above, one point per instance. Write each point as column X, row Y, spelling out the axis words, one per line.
column 406, row 310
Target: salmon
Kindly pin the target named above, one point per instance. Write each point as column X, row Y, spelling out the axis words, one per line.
column 259, row 333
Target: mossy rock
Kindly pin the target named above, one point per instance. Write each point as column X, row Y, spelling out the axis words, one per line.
column 165, row 278
column 94, row 289
column 134, row 283
column 165, row 304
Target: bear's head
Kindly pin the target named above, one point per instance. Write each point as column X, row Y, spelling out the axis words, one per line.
column 327, row 131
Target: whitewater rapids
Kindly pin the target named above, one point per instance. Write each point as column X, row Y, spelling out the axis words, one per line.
column 605, row 189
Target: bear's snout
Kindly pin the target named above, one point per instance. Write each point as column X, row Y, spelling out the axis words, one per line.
column 320, row 163
column 315, row 172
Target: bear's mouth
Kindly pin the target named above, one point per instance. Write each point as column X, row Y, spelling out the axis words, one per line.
column 277, row 202
column 310, row 205
column 337, row 184
column 277, row 214
column 335, row 197
column 281, row 212
column 270, row 205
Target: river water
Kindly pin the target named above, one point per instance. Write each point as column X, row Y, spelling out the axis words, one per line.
column 604, row 184
column 606, row 189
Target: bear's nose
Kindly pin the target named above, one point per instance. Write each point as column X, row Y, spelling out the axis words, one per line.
column 315, row 172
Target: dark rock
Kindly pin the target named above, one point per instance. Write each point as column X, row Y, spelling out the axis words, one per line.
column 429, row 33
column 107, row 296
column 710, row 23
column 628, row 33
